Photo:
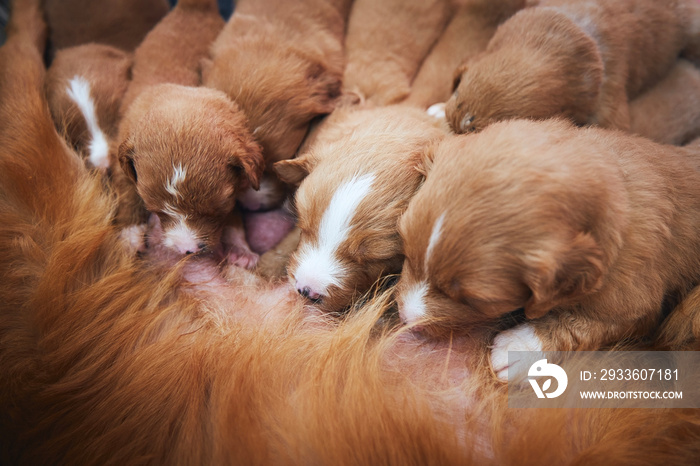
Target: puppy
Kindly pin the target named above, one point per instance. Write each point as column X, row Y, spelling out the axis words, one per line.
column 467, row 34
column 110, row 360
column 358, row 174
column 189, row 153
column 386, row 42
column 119, row 23
column 582, row 60
column 85, row 86
column 282, row 63
column 669, row 113
column 173, row 50
column 588, row 231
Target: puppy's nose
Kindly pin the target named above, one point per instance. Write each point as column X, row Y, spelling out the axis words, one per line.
column 308, row 293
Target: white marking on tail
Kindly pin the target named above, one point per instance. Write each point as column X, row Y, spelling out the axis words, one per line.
column 79, row 92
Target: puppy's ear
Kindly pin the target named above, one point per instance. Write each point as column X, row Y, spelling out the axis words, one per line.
column 125, row 155
column 457, row 77
column 293, row 171
column 246, row 155
column 325, row 86
column 561, row 273
column 423, row 161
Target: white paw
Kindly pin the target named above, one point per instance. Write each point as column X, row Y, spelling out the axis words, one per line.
column 134, row 237
column 520, row 338
column 437, row 111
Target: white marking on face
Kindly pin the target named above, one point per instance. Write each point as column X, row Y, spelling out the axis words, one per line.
column 180, row 236
column 79, row 92
column 434, row 238
column 178, row 177
column 413, row 306
column 318, row 267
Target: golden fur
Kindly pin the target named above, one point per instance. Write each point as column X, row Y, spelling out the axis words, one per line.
column 386, row 43
column 582, row 60
column 111, row 360
column 669, row 113
column 468, row 32
column 589, row 231
column 296, row 50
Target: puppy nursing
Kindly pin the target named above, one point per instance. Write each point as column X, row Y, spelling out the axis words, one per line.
column 581, row 60
column 359, row 171
column 588, row 231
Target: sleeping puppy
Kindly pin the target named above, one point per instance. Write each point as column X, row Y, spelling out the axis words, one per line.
column 172, row 51
column 119, row 23
column 587, row 230
column 359, row 171
column 582, row 60
column 189, row 154
column 386, row 43
column 467, row 34
column 85, row 86
column 282, row 63
column 669, row 113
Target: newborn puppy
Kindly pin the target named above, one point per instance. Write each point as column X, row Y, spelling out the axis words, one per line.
column 84, row 88
column 467, row 34
column 170, row 53
column 282, row 63
column 358, row 171
column 386, row 43
column 189, row 153
column 669, row 113
column 587, row 230
column 582, row 60
column 119, row 23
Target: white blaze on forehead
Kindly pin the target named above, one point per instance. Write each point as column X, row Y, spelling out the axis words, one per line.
column 177, row 177
column 434, row 238
column 179, row 236
column 318, row 266
column 413, row 306
column 79, row 92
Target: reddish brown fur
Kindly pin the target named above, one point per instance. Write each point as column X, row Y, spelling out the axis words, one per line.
column 669, row 113
column 468, row 33
column 387, row 142
column 296, row 52
column 108, row 360
column 120, row 23
column 539, row 216
column 172, row 51
column 107, row 69
column 583, row 60
column 386, row 43
column 202, row 131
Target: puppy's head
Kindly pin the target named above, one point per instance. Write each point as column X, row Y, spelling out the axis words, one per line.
column 539, row 64
column 355, row 181
column 190, row 153
column 288, row 89
column 506, row 219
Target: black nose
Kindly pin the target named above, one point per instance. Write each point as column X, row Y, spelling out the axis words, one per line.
column 187, row 253
column 305, row 291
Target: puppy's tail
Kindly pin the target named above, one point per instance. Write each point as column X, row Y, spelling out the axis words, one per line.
column 79, row 92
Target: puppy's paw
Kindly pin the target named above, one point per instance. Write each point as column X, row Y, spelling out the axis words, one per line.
column 520, row 338
column 243, row 258
column 437, row 111
column 134, row 238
